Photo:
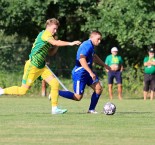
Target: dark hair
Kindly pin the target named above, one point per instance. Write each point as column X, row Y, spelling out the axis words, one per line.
column 95, row 32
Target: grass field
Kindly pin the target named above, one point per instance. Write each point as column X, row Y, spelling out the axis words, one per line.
column 27, row 121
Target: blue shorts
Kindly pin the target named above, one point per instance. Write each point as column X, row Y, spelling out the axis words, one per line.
column 114, row 74
column 80, row 82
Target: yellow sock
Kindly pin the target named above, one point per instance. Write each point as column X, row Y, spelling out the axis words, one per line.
column 15, row 90
column 54, row 92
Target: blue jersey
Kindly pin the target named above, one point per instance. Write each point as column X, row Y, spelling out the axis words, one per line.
column 86, row 49
column 80, row 76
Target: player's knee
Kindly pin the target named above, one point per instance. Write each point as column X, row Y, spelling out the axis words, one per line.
column 54, row 83
column 146, row 88
column 77, row 97
column 99, row 90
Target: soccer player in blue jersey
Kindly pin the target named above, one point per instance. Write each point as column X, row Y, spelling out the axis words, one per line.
column 82, row 73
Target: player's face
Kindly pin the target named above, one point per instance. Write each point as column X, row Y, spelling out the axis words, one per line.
column 151, row 54
column 96, row 39
column 114, row 52
column 53, row 28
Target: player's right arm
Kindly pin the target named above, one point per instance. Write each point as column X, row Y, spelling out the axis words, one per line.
column 146, row 62
column 63, row 43
column 46, row 36
column 84, row 64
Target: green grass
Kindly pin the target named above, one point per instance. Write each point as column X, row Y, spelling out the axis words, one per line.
column 27, row 121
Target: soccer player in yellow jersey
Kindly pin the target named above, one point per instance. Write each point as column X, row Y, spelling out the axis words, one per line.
column 35, row 66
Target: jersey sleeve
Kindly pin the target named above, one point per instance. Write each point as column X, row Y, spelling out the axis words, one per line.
column 145, row 59
column 106, row 60
column 83, row 50
column 46, row 36
column 121, row 60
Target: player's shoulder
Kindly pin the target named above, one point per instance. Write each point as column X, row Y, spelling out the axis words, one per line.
column 86, row 43
column 109, row 56
column 46, row 35
column 146, row 57
column 120, row 57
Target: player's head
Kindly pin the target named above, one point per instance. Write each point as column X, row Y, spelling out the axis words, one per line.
column 52, row 25
column 151, row 52
column 95, row 37
column 114, row 50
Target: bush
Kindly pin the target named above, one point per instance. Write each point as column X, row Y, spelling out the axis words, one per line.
column 132, row 83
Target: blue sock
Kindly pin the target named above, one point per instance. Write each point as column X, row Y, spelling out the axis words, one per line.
column 94, row 99
column 66, row 94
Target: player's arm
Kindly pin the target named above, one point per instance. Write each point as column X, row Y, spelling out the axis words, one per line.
column 84, row 64
column 147, row 63
column 121, row 68
column 63, row 43
column 152, row 62
column 100, row 62
column 121, row 64
column 53, row 51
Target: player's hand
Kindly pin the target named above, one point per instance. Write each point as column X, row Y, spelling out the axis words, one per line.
column 93, row 76
column 75, row 43
column 108, row 68
column 149, row 63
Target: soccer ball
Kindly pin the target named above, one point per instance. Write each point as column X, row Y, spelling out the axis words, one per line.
column 109, row 108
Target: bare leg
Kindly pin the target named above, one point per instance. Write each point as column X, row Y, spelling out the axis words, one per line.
column 151, row 95
column 120, row 91
column 145, row 95
column 110, row 91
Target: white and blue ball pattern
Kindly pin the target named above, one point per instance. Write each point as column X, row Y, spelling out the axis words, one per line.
column 109, row 108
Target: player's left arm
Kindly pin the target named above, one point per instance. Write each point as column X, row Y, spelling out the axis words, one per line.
column 121, row 68
column 97, row 60
column 54, row 49
column 84, row 64
column 152, row 62
column 121, row 65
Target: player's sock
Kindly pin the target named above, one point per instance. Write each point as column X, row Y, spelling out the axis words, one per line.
column 1, row 91
column 15, row 90
column 66, row 94
column 54, row 92
column 94, row 99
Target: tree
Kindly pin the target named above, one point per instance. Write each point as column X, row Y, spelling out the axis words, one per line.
column 129, row 23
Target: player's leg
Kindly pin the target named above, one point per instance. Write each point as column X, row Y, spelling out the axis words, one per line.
column 95, row 96
column 146, row 86
column 152, row 86
column 70, row 95
column 151, row 95
column 119, row 91
column 110, row 84
column 78, row 87
column 118, row 76
column 54, row 84
column 28, row 78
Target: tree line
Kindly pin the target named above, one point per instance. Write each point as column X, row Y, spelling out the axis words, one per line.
column 128, row 25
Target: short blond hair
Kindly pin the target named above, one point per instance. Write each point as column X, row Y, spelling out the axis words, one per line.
column 52, row 21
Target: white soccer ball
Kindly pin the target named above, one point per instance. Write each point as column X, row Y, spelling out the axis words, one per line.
column 109, row 108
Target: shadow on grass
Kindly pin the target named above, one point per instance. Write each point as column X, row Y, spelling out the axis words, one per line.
column 135, row 112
